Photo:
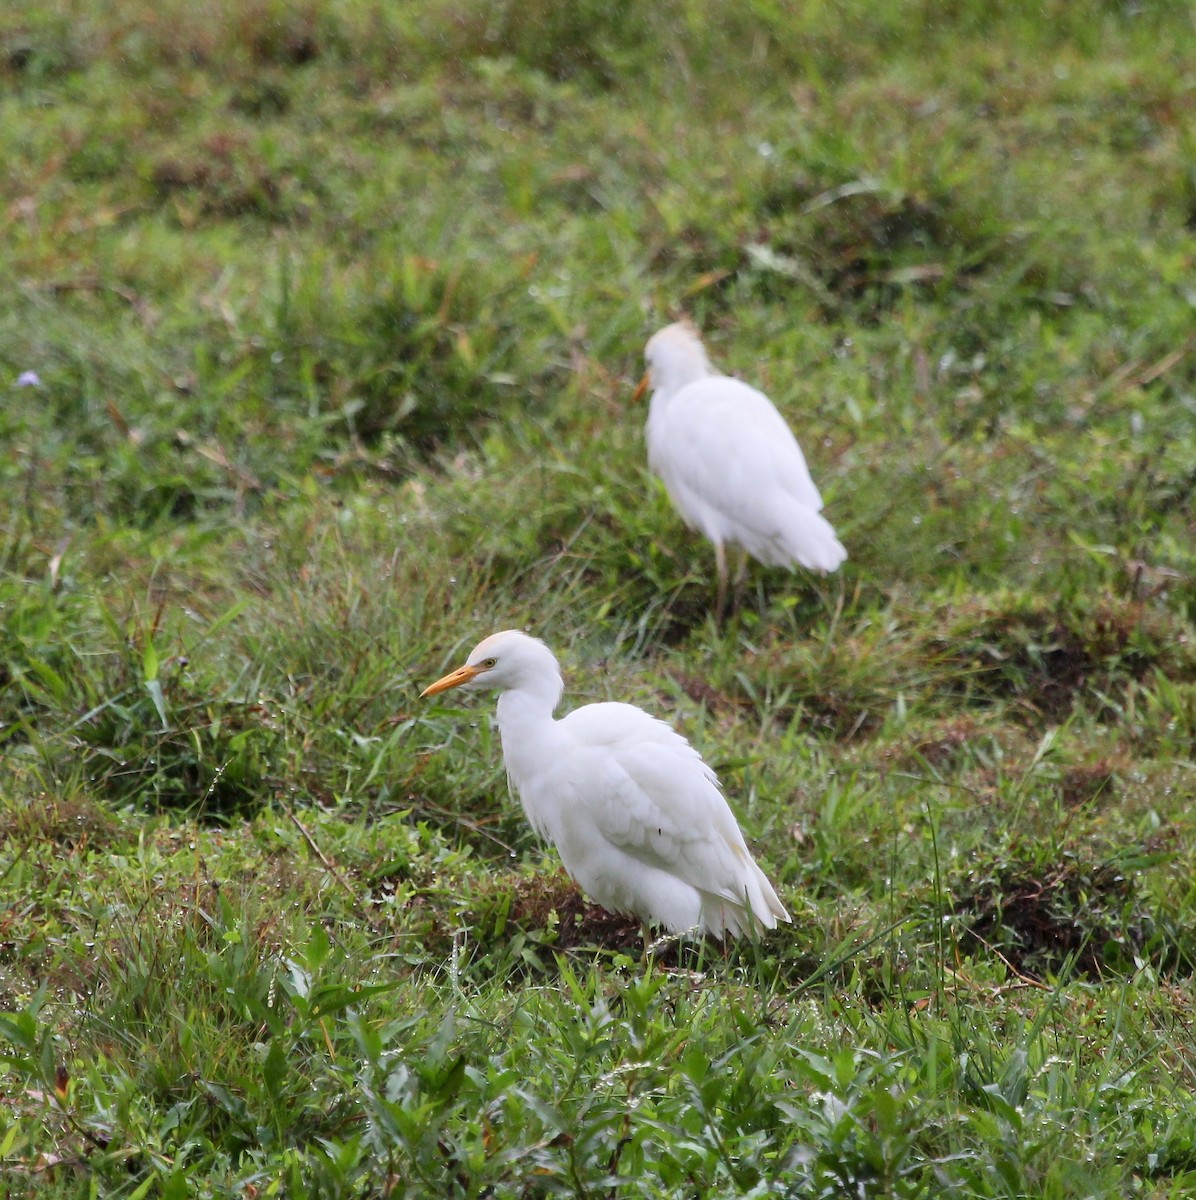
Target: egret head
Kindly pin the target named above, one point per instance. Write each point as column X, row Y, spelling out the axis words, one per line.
column 503, row 661
column 675, row 356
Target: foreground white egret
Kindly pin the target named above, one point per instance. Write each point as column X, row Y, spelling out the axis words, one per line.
column 730, row 464
column 637, row 816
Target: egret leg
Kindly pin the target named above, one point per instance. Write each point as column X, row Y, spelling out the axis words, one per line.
column 656, row 945
column 720, row 563
column 652, row 945
column 740, row 576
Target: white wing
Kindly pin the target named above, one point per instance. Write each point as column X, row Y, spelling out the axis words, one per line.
column 725, row 440
column 652, row 796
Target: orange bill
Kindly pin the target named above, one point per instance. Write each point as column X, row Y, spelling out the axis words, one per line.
column 451, row 680
column 641, row 388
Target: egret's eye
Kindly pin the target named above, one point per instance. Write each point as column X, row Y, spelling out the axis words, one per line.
column 490, row 662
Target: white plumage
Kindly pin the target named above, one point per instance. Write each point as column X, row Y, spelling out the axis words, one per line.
column 636, row 815
column 728, row 461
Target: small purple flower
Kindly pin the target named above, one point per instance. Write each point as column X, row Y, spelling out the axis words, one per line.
column 29, row 379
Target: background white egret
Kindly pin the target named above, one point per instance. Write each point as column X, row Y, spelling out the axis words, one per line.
column 637, row 817
column 730, row 464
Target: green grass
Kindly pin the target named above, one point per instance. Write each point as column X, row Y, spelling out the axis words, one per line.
column 336, row 309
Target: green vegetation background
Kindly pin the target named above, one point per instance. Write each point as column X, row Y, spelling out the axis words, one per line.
column 335, row 308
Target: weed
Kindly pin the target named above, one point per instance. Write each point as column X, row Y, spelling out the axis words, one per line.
column 1045, row 917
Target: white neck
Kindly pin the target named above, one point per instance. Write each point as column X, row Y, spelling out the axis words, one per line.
column 528, row 730
column 670, row 377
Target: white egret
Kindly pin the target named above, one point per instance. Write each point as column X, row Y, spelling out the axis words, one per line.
column 637, row 817
column 730, row 464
